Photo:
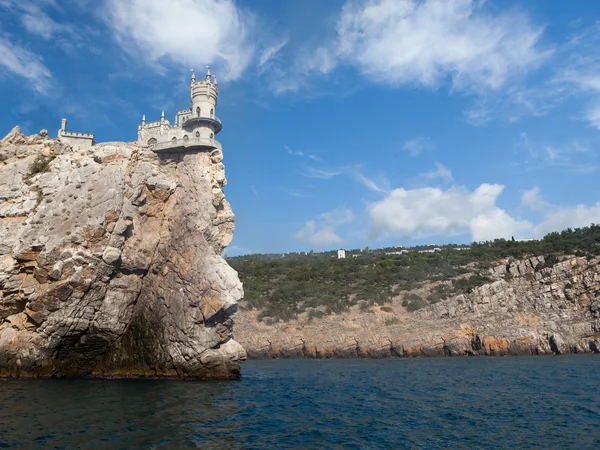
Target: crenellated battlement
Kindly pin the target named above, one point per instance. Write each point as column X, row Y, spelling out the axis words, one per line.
column 77, row 134
column 75, row 138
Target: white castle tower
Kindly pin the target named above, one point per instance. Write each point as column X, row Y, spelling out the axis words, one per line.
column 194, row 128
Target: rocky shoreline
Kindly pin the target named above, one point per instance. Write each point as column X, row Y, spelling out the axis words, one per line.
column 532, row 307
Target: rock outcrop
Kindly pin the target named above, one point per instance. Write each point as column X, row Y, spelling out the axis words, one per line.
column 533, row 307
column 110, row 262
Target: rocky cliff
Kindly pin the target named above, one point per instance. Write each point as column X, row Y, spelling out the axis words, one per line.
column 110, row 262
column 531, row 307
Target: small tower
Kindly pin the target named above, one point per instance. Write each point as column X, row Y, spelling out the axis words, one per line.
column 204, row 95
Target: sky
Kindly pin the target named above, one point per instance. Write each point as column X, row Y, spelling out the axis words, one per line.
column 346, row 123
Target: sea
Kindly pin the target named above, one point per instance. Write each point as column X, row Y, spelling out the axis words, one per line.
column 471, row 403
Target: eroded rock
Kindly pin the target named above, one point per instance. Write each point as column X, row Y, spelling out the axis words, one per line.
column 110, row 263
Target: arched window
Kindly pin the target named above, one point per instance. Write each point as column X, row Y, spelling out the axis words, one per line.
column 212, row 135
column 198, row 111
column 212, row 112
column 151, row 141
column 174, row 139
column 185, row 138
column 197, row 134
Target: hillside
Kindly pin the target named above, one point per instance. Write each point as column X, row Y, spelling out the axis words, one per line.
column 375, row 301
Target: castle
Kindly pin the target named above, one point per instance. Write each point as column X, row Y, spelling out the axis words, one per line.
column 194, row 128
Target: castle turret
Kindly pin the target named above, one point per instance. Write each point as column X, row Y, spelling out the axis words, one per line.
column 204, row 95
column 194, row 128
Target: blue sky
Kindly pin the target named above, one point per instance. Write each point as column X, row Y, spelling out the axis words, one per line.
column 345, row 123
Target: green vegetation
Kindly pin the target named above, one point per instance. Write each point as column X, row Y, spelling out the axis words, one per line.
column 283, row 286
column 41, row 164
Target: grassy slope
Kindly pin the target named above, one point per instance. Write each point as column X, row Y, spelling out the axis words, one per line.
column 319, row 284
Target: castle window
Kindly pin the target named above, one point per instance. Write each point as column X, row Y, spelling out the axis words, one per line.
column 212, row 113
column 185, row 138
column 151, row 141
column 174, row 139
column 211, row 135
column 197, row 134
column 198, row 111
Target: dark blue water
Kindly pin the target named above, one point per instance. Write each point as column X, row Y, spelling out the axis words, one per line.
column 538, row 402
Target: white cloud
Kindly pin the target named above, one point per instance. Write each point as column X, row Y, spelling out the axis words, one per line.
column 560, row 218
column 457, row 210
column 270, row 53
column 313, row 172
column 322, row 232
column 433, row 211
column 574, row 154
column 301, row 153
column 26, row 64
column 187, row 32
column 37, row 21
column 318, row 235
column 293, row 152
column 418, row 145
column 380, row 185
column 532, row 199
column 237, row 250
column 441, row 172
column 338, row 216
column 424, row 42
column 580, row 69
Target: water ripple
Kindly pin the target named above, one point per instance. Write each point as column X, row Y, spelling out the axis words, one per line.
column 541, row 402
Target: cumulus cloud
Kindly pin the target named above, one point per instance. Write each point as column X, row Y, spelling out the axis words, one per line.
column 560, row 218
column 408, row 41
column 425, row 42
column 434, row 211
column 19, row 61
column 190, row 32
column 322, row 232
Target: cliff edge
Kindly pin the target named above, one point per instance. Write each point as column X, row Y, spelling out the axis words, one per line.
column 110, row 262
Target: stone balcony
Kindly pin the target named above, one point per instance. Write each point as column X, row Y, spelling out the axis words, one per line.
column 181, row 145
column 213, row 121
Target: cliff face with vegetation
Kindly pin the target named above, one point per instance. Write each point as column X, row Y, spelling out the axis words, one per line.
column 109, row 262
column 498, row 298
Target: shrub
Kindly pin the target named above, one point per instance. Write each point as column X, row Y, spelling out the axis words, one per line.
column 315, row 314
column 415, row 305
column 41, row 164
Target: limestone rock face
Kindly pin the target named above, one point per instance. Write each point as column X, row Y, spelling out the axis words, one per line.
column 532, row 307
column 110, row 262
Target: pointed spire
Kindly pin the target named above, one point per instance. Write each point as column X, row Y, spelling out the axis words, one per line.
column 193, row 76
column 215, row 79
column 143, row 118
column 162, row 115
column 207, row 73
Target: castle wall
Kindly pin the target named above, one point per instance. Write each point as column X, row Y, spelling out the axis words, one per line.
column 80, row 140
